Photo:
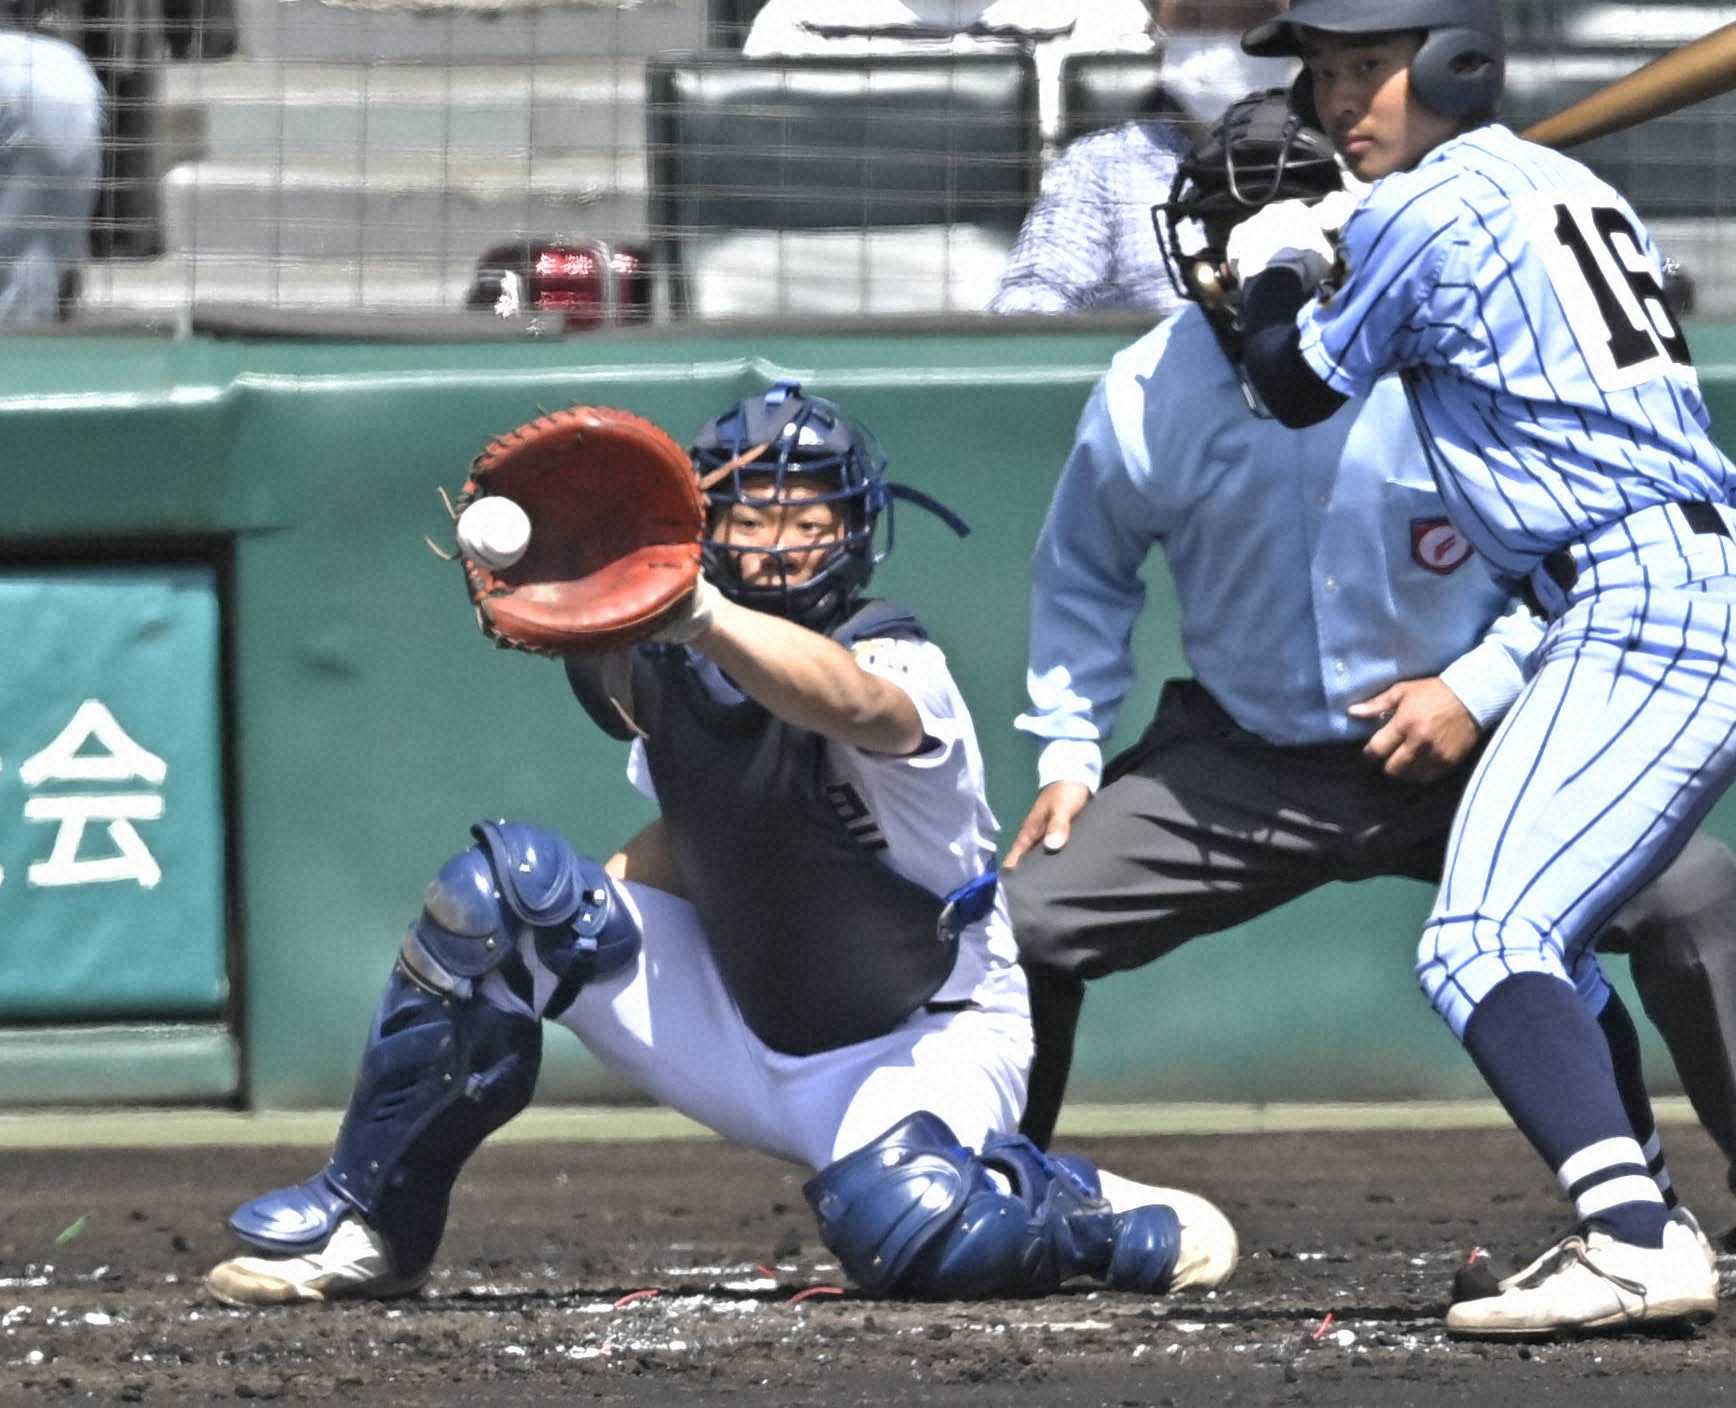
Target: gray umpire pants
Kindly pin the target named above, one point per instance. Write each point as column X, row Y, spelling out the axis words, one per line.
column 1202, row 825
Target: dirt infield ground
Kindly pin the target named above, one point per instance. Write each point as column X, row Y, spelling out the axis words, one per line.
column 688, row 1272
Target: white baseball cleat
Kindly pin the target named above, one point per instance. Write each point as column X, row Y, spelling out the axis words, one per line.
column 1681, row 1215
column 1208, row 1241
column 353, row 1262
column 1692, row 1223
column 1591, row 1281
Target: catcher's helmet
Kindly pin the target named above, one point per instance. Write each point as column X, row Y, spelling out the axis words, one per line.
column 790, row 437
column 1458, row 71
column 1259, row 151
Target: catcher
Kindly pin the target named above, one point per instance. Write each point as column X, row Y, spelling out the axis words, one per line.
column 806, row 951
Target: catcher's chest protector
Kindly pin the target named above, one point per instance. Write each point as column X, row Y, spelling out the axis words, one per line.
column 820, row 943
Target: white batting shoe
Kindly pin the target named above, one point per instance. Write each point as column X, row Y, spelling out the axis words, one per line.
column 1692, row 1223
column 1208, row 1240
column 1593, row 1282
column 353, row 1262
column 1681, row 1215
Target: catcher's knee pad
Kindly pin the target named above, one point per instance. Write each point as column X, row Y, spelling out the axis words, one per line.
column 439, row 1075
column 914, row 1214
column 520, row 878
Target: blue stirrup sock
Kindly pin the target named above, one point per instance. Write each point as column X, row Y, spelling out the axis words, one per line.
column 1548, row 1061
column 1624, row 1051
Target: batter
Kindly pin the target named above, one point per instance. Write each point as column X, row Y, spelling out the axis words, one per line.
column 1521, row 300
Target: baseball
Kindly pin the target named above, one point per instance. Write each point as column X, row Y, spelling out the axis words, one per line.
column 493, row 532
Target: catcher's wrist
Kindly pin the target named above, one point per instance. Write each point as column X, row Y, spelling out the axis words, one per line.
column 694, row 619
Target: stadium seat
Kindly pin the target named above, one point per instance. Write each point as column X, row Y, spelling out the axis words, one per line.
column 837, row 185
column 1100, row 90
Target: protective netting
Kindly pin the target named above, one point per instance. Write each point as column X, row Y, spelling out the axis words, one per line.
column 602, row 160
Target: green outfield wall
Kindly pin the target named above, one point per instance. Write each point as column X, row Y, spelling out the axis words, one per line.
column 245, row 712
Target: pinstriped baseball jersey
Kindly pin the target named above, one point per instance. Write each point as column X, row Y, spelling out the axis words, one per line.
column 1523, row 301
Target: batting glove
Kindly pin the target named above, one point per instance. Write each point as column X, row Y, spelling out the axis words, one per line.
column 1284, row 235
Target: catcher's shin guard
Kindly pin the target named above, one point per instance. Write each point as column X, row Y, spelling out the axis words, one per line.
column 443, row 1067
column 439, row 1075
column 914, row 1214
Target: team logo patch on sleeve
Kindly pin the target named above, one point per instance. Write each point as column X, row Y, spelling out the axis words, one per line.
column 1437, row 545
column 881, row 653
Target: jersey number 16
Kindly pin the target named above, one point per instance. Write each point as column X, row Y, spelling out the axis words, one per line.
column 1613, row 297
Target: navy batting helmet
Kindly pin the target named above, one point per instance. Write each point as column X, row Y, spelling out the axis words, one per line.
column 1458, row 71
column 782, row 437
column 1259, row 151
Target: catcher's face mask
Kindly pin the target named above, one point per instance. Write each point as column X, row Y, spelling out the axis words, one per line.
column 779, row 455
column 793, row 516
column 779, row 539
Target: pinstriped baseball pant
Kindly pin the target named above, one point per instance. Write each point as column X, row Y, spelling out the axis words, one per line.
column 1619, row 746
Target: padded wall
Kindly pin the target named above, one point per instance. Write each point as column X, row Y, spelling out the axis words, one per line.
column 368, row 723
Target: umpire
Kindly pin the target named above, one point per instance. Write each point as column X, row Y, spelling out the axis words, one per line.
column 1350, row 656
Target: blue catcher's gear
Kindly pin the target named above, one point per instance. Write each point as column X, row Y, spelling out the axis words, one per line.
column 519, row 877
column 856, row 946
column 444, row 1068
column 788, row 437
column 1460, row 69
column 915, row 1214
column 439, row 1075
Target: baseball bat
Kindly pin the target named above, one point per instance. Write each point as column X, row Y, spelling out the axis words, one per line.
column 1702, row 69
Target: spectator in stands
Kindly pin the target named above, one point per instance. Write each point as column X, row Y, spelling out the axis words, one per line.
column 126, row 42
column 1204, row 67
column 1049, row 29
column 1089, row 242
column 50, row 157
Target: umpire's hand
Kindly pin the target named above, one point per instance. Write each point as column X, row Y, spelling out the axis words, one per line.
column 1050, row 819
column 1424, row 733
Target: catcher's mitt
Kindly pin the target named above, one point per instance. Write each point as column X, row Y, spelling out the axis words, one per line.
column 616, row 517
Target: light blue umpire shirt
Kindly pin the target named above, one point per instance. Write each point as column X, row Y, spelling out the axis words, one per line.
column 1313, row 567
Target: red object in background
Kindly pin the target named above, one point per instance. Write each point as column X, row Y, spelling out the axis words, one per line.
column 590, row 284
